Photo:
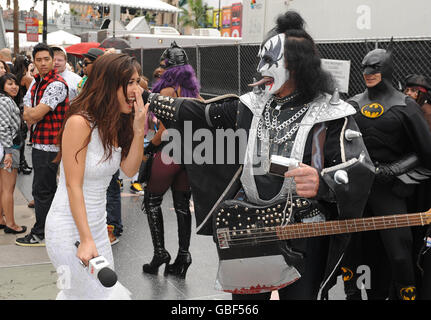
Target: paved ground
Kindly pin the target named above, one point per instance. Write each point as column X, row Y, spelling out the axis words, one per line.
column 26, row 273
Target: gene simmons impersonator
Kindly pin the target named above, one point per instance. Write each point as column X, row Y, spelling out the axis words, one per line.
column 242, row 204
column 398, row 139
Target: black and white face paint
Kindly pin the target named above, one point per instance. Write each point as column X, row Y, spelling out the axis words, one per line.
column 271, row 65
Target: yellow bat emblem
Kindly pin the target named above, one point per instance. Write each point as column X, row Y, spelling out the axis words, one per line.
column 347, row 274
column 372, row 110
column 408, row 293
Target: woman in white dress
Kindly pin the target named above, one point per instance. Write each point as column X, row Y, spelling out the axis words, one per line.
column 104, row 129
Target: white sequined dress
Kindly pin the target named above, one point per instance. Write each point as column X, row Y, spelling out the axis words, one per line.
column 61, row 232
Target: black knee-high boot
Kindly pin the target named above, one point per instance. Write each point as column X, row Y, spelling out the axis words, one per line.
column 153, row 210
column 184, row 219
column 23, row 165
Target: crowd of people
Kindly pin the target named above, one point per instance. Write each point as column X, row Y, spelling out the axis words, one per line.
column 340, row 160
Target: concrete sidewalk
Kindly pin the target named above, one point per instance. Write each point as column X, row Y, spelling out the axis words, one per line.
column 25, row 273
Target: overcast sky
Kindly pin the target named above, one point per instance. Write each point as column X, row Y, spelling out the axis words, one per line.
column 60, row 6
column 27, row 4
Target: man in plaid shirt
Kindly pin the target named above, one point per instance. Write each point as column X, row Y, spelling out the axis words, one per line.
column 46, row 111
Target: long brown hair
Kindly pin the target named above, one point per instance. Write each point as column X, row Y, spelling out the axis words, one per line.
column 5, row 66
column 98, row 103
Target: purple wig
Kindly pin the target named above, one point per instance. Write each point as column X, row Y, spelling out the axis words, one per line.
column 179, row 76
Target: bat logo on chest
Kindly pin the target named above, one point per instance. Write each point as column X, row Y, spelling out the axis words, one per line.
column 372, row 110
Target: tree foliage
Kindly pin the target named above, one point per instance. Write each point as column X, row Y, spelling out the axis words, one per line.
column 194, row 14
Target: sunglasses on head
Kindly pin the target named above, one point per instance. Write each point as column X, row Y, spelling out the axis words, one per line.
column 27, row 61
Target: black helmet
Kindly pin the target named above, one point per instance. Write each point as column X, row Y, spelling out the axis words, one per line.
column 378, row 61
column 175, row 56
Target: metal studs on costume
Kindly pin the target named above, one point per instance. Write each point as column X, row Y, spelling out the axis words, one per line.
column 341, row 177
column 163, row 108
column 335, row 99
column 349, row 134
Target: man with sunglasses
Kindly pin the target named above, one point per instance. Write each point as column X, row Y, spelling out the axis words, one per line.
column 89, row 58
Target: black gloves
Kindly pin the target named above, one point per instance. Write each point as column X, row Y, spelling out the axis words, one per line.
column 386, row 173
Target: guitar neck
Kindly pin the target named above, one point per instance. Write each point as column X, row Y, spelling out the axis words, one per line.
column 308, row 230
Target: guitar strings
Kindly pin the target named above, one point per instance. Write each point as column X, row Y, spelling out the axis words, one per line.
column 273, row 235
column 316, row 231
column 330, row 224
column 273, row 238
column 363, row 223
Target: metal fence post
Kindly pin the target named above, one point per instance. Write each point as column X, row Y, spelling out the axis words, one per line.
column 198, row 63
column 239, row 69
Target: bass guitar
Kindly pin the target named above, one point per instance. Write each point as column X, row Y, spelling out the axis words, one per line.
column 245, row 236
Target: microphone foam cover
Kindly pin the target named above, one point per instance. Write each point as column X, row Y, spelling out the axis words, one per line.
column 107, row 277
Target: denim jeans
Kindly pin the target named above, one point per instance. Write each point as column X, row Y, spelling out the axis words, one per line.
column 44, row 187
column 113, row 204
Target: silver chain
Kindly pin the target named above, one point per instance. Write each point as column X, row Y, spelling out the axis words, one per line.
column 286, row 99
column 266, row 123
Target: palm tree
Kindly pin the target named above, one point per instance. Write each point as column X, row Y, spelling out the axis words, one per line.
column 195, row 15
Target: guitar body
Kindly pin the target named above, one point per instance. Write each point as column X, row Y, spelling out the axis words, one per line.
column 251, row 257
column 253, row 241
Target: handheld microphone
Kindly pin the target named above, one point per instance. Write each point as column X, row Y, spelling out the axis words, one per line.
column 98, row 268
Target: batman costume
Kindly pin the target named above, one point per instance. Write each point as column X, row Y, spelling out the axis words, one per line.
column 418, row 87
column 315, row 128
column 398, row 141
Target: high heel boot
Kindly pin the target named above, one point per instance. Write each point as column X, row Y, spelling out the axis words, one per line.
column 184, row 219
column 153, row 210
column 24, row 168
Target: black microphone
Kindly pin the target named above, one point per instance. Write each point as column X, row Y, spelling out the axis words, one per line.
column 146, row 96
column 98, row 268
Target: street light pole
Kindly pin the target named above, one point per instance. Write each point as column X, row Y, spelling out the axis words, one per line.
column 219, row 15
column 45, row 21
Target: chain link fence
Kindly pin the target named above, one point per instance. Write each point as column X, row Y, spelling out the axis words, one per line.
column 227, row 69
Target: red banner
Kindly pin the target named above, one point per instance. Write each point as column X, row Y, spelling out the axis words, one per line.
column 32, row 29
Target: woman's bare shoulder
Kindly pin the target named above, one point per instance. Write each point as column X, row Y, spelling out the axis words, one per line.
column 78, row 122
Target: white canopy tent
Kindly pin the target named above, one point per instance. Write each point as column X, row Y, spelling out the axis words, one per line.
column 154, row 5
column 59, row 37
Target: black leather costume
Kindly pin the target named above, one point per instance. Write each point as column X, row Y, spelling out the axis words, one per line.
column 210, row 181
column 241, row 135
column 398, row 140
